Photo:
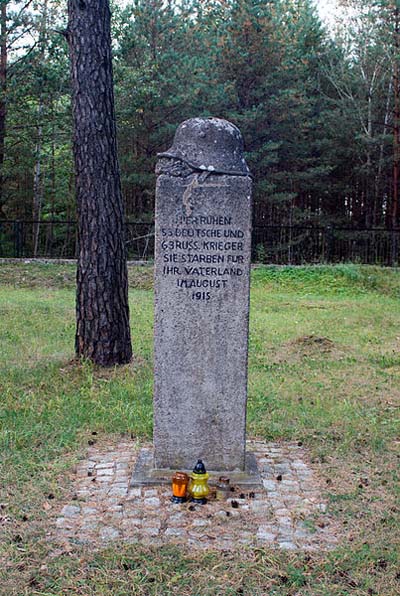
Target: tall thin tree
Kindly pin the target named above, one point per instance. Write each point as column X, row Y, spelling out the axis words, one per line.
column 3, row 90
column 102, row 332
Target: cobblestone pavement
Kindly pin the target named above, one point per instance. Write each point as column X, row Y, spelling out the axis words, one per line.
column 287, row 512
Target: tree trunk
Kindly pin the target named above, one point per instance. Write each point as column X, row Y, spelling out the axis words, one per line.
column 378, row 203
column 102, row 333
column 37, row 183
column 396, row 132
column 396, row 142
column 3, row 92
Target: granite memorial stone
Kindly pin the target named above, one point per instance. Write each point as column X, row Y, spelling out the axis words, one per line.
column 202, row 274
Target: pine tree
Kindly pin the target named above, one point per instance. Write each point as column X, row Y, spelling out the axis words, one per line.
column 103, row 333
column 162, row 78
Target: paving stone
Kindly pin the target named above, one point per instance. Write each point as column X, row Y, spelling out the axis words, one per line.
column 108, row 510
column 152, row 502
column 282, row 511
column 133, row 512
column 298, row 464
column 120, row 485
column 267, row 533
column 70, row 510
column 198, row 535
column 301, row 533
column 89, row 524
column 134, row 493
column 287, row 545
column 260, row 506
column 260, row 494
column 177, row 516
column 151, row 531
column 83, row 492
column 122, row 466
column 150, row 492
column 284, row 523
column 310, row 502
column 109, row 533
column 200, row 523
column 290, row 500
column 222, row 513
column 104, row 466
column 276, row 500
column 116, row 507
column 131, row 522
column 121, row 477
column 287, row 485
column 104, row 472
column 124, row 459
column 304, row 475
column 270, row 485
column 262, row 461
column 62, row 522
column 118, row 490
column 86, row 511
column 174, row 532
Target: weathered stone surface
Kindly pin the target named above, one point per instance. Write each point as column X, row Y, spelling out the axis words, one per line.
column 70, row 510
column 208, row 145
column 203, row 243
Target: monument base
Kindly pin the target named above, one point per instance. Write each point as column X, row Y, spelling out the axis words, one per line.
column 144, row 473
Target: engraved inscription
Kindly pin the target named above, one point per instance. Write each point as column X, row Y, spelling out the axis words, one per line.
column 202, row 253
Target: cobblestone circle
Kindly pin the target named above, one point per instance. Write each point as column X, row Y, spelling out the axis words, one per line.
column 287, row 512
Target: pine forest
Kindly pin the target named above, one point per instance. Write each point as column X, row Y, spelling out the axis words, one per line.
column 318, row 107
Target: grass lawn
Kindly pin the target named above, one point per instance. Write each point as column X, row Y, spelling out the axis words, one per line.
column 324, row 369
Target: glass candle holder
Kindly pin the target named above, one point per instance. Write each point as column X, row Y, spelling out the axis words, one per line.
column 223, row 488
column 180, row 482
column 198, row 488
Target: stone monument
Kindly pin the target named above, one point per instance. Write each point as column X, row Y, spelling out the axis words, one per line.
column 202, row 276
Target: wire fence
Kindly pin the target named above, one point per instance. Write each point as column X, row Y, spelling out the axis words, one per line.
column 280, row 245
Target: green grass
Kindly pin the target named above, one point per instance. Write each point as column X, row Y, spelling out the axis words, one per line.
column 324, row 369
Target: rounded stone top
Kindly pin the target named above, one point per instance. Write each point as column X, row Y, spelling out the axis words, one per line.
column 210, row 145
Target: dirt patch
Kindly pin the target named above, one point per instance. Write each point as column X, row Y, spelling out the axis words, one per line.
column 323, row 344
column 309, row 346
